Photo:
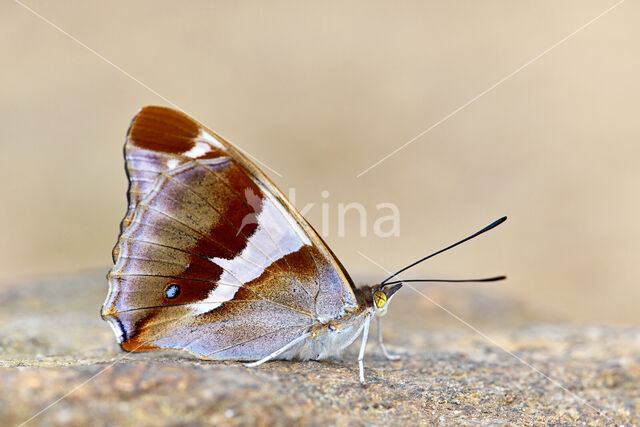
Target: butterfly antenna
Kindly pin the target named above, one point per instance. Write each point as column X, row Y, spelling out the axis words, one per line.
column 487, row 228
column 488, row 279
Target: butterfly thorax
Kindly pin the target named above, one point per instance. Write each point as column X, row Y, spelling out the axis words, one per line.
column 364, row 295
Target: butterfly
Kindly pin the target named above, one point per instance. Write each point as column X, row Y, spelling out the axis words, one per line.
column 214, row 260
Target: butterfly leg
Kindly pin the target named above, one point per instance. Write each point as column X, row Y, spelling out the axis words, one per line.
column 279, row 351
column 381, row 342
column 365, row 335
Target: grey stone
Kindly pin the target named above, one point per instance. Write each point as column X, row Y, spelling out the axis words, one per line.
column 55, row 350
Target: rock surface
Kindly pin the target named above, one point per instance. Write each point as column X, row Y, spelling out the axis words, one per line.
column 57, row 356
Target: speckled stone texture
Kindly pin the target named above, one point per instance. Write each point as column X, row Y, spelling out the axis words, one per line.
column 53, row 342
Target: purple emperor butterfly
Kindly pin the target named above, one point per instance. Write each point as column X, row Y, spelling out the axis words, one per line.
column 213, row 259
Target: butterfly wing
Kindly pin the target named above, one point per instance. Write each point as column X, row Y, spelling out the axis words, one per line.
column 212, row 258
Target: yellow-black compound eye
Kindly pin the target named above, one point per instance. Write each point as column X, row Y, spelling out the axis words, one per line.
column 380, row 298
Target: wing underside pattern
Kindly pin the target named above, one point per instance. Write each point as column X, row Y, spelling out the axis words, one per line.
column 252, row 274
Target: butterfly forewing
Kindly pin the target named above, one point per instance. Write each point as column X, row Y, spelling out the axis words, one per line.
column 211, row 257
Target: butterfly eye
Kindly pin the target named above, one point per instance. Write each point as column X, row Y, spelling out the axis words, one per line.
column 172, row 291
column 380, row 298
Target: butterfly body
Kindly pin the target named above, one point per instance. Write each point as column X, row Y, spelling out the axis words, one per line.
column 214, row 260
column 329, row 340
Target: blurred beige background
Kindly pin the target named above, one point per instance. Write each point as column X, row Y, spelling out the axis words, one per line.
column 320, row 92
